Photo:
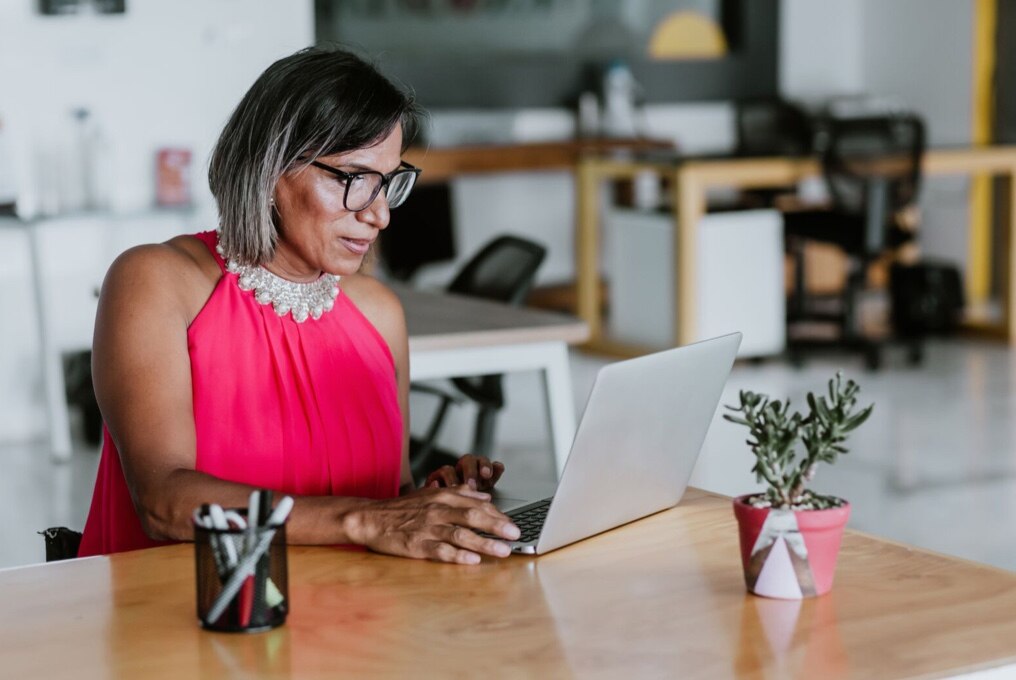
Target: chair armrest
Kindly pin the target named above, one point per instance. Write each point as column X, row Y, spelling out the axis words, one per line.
column 441, row 394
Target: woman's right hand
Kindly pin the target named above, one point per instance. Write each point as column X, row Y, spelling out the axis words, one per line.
column 435, row 524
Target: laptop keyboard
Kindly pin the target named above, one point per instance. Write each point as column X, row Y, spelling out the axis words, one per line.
column 529, row 519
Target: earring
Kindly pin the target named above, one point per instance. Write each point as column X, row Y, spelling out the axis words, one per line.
column 271, row 201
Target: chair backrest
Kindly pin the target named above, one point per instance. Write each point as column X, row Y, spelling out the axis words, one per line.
column 419, row 232
column 61, row 543
column 887, row 148
column 772, row 127
column 503, row 270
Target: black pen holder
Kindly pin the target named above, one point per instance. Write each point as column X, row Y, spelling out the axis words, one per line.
column 261, row 598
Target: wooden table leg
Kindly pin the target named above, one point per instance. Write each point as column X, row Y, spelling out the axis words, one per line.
column 689, row 199
column 587, row 248
column 1009, row 279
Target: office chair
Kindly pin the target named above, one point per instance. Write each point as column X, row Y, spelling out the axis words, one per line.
column 771, row 127
column 872, row 167
column 61, row 543
column 504, row 271
column 419, row 232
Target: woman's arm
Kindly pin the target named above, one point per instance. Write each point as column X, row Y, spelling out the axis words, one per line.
column 143, row 385
column 382, row 307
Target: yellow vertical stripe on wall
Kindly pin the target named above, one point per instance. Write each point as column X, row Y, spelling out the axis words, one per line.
column 982, row 113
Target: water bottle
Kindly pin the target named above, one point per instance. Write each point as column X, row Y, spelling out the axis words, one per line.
column 618, row 101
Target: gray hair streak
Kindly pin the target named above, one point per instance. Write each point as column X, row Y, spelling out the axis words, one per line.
column 317, row 102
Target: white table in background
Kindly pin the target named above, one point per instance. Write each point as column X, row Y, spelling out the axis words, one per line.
column 455, row 336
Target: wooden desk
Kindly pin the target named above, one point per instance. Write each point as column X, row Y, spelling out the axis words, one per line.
column 691, row 180
column 662, row 597
column 441, row 164
column 451, row 335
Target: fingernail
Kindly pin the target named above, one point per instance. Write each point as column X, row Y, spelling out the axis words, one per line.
column 510, row 531
column 503, row 550
column 472, row 558
column 485, row 471
column 472, row 483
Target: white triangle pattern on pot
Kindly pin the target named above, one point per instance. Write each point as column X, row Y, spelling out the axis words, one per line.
column 778, row 578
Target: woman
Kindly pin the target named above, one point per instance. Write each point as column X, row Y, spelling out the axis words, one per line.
column 258, row 356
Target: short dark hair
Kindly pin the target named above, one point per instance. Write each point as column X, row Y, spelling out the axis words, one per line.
column 316, row 102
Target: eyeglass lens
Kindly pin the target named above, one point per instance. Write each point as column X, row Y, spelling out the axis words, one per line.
column 363, row 189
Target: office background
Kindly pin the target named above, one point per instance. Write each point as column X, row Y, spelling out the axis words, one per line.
column 165, row 74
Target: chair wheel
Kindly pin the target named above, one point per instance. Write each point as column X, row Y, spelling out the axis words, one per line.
column 873, row 359
column 915, row 354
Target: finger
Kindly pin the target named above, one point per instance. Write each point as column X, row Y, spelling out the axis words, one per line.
column 456, row 496
column 449, row 475
column 489, row 474
column 467, row 467
column 439, row 478
column 498, row 471
column 470, row 540
column 484, row 517
column 445, row 552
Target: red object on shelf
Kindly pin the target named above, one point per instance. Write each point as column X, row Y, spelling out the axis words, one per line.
column 172, row 177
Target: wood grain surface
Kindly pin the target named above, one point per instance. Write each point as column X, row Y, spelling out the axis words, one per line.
column 661, row 597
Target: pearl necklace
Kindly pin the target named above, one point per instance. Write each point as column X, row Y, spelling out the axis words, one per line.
column 301, row 299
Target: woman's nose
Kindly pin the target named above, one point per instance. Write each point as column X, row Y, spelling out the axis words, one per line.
column 377, row 213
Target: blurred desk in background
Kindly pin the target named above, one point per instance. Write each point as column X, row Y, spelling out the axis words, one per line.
column 660, row 597
column 692, row 178
column 455, row 336
column 441, row 164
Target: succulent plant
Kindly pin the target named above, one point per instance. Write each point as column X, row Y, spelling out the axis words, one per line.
column 775, row 431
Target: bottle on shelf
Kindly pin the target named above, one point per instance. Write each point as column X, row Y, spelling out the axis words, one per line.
column 619, row 107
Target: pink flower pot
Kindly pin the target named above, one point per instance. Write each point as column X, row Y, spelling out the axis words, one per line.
column 789, row 554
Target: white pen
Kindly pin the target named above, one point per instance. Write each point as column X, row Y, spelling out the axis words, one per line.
column 281, row 512
column 220, row 523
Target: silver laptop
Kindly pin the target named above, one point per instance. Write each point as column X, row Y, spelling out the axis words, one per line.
column 635, row 447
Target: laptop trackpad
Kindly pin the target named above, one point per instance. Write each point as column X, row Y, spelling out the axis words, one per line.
column 508, row 504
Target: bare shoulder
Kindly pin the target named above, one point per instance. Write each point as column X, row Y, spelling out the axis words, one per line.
column 378, row 303
column 177, row 275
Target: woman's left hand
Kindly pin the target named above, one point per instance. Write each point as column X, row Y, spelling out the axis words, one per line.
column 476, row 471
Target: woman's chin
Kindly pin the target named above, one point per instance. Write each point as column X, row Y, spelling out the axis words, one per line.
column 344, row 266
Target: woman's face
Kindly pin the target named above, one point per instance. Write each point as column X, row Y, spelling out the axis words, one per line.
column 316, row 232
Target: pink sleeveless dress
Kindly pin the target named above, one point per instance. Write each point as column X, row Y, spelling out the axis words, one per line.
column 309, row 409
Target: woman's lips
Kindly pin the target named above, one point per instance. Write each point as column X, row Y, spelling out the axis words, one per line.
column 358, row 246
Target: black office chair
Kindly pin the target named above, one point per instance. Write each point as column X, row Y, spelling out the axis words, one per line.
column 872, row 167
column 504, row 271
column 61, row 543
column 771, row 127
column 419, row 233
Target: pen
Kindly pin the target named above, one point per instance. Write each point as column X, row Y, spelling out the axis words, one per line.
column 221, row 524
column 260, row 579
column 250, row 559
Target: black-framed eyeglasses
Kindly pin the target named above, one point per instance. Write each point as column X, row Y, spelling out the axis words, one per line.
column 363, row 186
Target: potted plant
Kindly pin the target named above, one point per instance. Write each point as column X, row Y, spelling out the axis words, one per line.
column 790, row 536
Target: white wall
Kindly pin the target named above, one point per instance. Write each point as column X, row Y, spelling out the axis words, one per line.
column 921, row 53
column 541, row 205
column 167, row 72
column 915, row 54
column 820, row 52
